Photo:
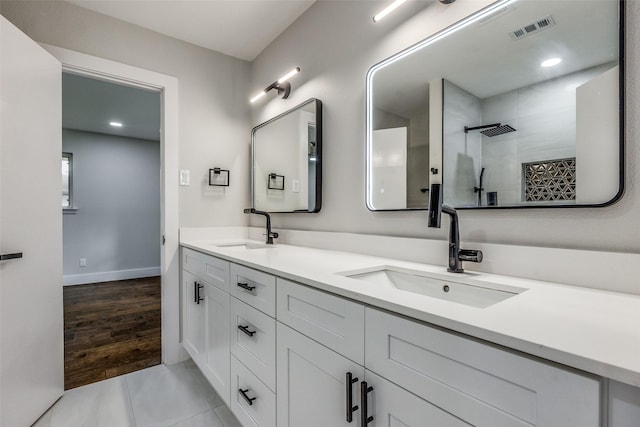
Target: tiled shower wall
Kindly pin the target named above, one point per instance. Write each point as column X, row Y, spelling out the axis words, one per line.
column 545, row 121
column 544, row 116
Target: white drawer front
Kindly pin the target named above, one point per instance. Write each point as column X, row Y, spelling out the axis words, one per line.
column 481, row 384
column 253, row 341
column 206, row 267
column 328, row 319
column 254, row 287
column 192, row 261
column 261, row 412
column 216, row 272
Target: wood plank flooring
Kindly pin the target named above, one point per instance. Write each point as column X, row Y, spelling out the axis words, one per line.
column 110, row 329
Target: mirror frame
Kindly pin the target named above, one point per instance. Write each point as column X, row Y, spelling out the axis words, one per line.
column 443, row 34
column 319, row 137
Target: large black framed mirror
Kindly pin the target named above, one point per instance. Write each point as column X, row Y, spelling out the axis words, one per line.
column 286, row 161
column 519, row 105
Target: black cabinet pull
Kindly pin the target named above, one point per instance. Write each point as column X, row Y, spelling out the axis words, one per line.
column 196, row 292
column 6, row 257
column 248, row 399
column 246, row 330
column 246, row 287
column 350, row 408
column 364, row 391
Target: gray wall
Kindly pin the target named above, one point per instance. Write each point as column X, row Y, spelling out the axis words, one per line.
column 116, row 190
column 335, row 43
column 213, row 92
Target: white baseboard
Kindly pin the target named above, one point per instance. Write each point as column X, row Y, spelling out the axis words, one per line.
column 109, row 276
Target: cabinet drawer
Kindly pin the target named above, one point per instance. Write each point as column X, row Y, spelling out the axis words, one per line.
column 192, row 261
column 254, row 287
column 253, row 341
column 481, row 384
column 328, row 319
column 207, row 268
column 251, row 401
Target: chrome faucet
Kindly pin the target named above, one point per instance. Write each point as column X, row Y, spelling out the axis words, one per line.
column 270, row 235
column 456, row 255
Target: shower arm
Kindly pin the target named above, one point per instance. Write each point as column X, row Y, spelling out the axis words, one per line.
column 467, row 129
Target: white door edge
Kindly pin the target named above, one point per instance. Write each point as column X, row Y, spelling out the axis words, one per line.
column 104, row 69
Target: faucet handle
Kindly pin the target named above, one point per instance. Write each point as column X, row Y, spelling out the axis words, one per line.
column 472, row 255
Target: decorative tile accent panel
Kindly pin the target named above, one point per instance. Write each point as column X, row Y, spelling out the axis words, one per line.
column 550, row 180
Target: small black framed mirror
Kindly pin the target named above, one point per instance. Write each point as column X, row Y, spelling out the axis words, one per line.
column 286, row 161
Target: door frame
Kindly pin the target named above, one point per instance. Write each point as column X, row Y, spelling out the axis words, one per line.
column 103, row 69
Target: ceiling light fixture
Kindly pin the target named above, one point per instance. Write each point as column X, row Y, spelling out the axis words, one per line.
column 116, row 124
column 551, row 62
column 281, row 85
column 387, row 10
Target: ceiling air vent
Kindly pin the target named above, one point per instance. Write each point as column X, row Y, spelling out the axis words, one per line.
column 532, row 28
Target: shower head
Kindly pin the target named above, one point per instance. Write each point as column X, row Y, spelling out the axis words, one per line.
column 491, row 130
column 499, row 130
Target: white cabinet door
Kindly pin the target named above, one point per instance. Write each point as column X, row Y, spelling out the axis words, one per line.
column 482, row 384
column 193, row 332
column 392, row 406
column 31, row 345
column 216, row 359
column 312, row 382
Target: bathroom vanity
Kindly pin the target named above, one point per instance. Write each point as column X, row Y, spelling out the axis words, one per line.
column 295, row 336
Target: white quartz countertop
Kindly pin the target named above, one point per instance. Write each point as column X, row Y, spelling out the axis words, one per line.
column 592, row 330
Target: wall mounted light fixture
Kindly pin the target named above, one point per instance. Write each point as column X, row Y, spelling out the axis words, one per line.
column 282, row 85
column 394, row 5
column 387, row 10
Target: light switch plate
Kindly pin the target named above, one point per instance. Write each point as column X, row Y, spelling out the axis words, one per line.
column 185, row 177
column 295, row 186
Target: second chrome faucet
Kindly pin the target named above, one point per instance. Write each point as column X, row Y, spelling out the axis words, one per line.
column 456, row 255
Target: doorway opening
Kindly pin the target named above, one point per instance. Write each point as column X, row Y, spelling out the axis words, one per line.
column 111, row 201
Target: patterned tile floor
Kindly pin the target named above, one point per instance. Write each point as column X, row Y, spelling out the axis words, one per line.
column 160, row 396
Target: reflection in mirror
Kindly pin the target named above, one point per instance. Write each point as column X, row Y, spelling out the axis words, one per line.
column 524, row 100
column 287, row 161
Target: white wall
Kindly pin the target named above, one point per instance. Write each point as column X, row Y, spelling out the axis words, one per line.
column 335, row 43
column 282, row 148
column 214, row 114
column 116, row 190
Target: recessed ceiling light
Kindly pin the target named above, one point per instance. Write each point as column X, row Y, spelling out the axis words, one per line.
column 116, row 124
column 551, row 62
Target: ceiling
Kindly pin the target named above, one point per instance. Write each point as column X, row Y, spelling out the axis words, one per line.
column 89, row 105
column 485, row 60
column 239, row 28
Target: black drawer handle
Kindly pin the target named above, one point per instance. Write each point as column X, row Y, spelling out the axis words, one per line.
column 248, row 399
column 246, row 330
column 246, row 287
column 6, row 257
column 196, row 292
column 350, row 408
column 364, row 404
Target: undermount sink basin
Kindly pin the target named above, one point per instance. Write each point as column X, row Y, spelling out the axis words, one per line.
column 463, row 291
column 245, row 245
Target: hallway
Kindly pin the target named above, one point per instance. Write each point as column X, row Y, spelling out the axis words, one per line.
column 110, row 329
